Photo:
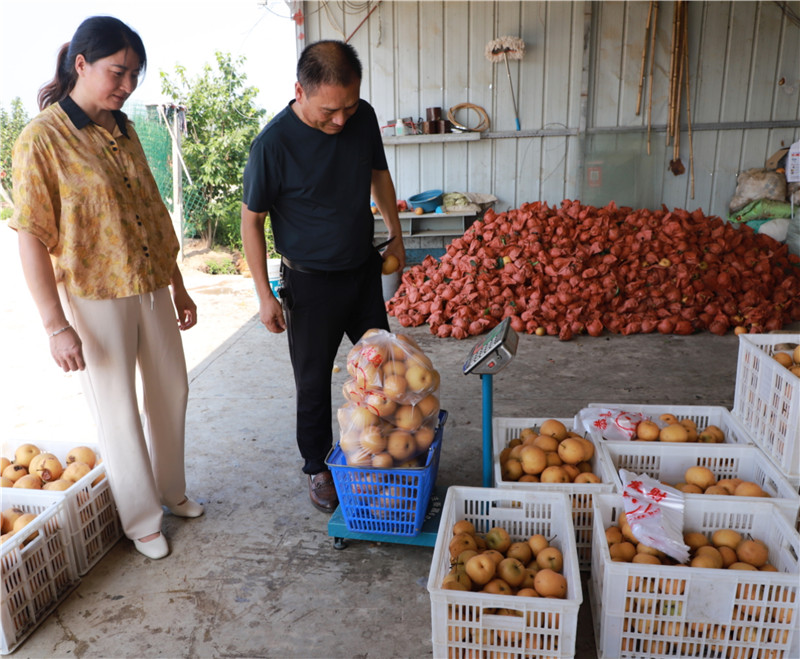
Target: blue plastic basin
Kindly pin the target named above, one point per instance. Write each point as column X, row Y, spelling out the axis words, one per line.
column 427, row 201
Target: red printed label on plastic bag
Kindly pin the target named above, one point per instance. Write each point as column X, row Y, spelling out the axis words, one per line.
column 613, row 424
column 655, row 514
column 373, row 355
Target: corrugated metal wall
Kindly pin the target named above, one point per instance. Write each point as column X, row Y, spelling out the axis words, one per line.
column 425, row 54
column 576, row 91
column 744, row 65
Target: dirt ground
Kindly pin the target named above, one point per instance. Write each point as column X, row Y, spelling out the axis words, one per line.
column 197, row 256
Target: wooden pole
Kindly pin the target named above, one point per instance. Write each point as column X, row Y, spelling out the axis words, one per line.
column 650, row 76
column 671, row 95
column 644, row 57
column 676, row 150
column 688, row 102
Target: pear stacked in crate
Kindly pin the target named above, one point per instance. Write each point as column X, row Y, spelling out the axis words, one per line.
column 767, row 397
column 519, row 594
column 738, row 593
column 46, row 488
column 75, row 475
column 549, row 454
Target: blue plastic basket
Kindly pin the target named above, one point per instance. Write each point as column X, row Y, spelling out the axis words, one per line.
column 386, row 501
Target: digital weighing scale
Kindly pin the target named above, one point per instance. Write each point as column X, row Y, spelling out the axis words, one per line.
column 489, row 356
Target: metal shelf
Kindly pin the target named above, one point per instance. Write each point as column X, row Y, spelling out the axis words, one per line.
column 430, row 224
column 399, row 140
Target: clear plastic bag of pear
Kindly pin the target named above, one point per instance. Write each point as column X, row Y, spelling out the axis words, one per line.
column 391, row 408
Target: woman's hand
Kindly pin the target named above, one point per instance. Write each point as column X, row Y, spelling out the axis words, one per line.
column 185, row 306
column 67, row 350
column 65, row 344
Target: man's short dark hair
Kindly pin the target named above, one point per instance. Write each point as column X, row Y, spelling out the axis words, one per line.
column 328, row 62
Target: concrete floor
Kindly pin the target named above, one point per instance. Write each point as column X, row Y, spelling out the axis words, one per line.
column 257, row 575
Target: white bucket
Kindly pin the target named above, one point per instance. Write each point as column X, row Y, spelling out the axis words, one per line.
column 274, row 274
column 390, row 284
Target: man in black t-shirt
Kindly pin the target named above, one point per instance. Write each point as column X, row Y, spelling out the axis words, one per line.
column 314, row 168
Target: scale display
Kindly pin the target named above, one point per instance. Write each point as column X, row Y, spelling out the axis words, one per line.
column 494, row 352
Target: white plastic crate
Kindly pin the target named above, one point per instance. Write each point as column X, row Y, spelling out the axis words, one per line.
column 464, row 624
column 37, row 574
column 702, row 415
column 668, row 463
column 504, row 429
column 767, row 400
column 655, row 612
column 93, row 524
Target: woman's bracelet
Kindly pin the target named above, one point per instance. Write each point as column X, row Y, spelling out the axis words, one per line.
column 59, row 331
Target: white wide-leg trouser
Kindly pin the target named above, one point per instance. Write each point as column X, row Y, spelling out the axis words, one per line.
column 145, row 470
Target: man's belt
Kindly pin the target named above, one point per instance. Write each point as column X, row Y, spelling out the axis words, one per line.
column 301, row 268
column 311, row 271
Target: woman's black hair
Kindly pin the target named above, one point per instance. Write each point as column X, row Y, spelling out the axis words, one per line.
column 97, row 37
column 328, row 62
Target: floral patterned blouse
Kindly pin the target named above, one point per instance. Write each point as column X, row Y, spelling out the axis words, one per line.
column 90, row 197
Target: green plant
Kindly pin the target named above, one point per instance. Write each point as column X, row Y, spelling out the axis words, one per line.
column 223, row 267
column 6, row 213
column 270, row 239
column 11, row 125
column 228, row 231
column 221, row 122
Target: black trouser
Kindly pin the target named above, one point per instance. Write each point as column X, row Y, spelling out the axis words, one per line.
column 320, row 309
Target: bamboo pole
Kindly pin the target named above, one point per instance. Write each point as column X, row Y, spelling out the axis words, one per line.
column 644, row 57
column 676, row 127
column 671, row 94
column 650, row 76
column 688, row 103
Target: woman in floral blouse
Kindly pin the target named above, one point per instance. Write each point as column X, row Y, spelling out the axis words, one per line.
column 99, row 255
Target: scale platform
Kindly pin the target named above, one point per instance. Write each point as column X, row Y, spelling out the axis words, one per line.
column 337, row 527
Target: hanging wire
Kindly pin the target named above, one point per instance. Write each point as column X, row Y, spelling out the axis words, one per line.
column 266, row 4
column 320, row 7
column 791, row 15
column 353, row 7
column 379, row 40
column 348, row 7
column 363, row 20
column 331, row 19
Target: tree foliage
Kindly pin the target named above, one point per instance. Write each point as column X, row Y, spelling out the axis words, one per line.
column 221, row 122
column 11, row 125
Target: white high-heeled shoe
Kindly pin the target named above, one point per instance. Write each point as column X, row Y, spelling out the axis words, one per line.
column 188, row 508
column 155, row 548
